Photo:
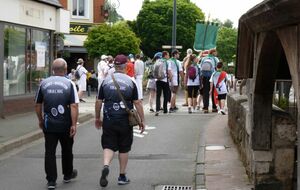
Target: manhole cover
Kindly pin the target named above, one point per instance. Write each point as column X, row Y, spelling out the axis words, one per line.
column 174, row 187
column 215, row 147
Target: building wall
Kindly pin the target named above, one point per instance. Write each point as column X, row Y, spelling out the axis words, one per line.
column 37, row 23
column 29, row 13
column 98, row 15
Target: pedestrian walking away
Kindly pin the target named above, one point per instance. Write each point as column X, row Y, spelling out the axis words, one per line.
column 102, row 68
column 177, row 73
column 139, row 68
column 82, row 80
column 57, row 111
column 192, row 81
column 163, row 74
column 219, row 80
column 117, row 134
column 184, row 64
column 151, row 84
column 208, row 66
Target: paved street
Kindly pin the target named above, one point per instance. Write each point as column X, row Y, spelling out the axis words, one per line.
column 164, row 155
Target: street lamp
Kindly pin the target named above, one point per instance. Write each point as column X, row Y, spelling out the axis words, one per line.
column 174, row 26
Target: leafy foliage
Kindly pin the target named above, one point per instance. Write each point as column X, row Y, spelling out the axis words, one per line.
column 154, row 24
column 226, row 44
column 112, row 40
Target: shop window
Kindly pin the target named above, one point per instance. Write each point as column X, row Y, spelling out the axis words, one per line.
column 37, row 58
column 80, row 8
column 26, row 59
column 14, row 60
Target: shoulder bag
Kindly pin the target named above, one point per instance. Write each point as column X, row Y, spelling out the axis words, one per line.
column 133, row 116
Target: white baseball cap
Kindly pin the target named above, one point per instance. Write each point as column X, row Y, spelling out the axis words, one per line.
column 103, row 57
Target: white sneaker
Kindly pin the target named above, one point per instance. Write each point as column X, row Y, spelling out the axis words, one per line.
column 222, row 112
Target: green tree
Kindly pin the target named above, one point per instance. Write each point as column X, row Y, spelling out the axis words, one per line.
column 112, row 40
column 226, row 44
column 154, row 24
column 228, row 23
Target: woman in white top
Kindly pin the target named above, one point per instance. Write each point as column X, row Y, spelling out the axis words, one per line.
column 192, row 81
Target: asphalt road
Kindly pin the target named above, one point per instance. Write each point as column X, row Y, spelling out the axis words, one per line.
column 164, row 155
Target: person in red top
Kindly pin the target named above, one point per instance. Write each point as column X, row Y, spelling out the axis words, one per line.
column 130, row 66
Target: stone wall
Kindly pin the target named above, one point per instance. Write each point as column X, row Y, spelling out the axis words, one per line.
column 271, row 169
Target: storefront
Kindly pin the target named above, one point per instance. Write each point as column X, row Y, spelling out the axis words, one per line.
column 26, row 50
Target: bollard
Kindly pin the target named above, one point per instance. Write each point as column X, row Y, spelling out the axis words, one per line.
column 89, row 90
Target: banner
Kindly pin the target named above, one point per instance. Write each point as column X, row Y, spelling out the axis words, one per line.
column 206, row 35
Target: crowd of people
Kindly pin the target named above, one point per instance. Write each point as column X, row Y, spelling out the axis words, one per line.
column 202, row 78
column 120, row 90
column 197, row 74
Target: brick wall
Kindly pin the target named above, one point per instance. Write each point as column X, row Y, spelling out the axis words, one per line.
column 19, row 105
column 64, row 3
column 98, row 17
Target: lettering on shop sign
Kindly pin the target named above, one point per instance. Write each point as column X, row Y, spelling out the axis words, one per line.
column 76, row 28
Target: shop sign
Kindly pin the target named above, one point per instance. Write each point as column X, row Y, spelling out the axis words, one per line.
column 76, row 28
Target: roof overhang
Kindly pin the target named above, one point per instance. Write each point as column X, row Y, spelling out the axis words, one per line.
column 266, row 16
column 55, row 3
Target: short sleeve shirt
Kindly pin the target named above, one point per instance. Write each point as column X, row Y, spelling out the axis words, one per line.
column 196, row 81
column 222, row 88
column 176, row 67
column 167, row 67
column 57, row 93
column 113, row 106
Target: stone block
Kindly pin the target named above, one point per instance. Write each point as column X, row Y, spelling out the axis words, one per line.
column 200, row 180
column 262, row 167
column 262, row 156
column 200, row 169
column 284, row 164
column 286, row 132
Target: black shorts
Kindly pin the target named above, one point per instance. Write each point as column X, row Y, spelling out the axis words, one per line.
column 193, row 91
column 222, row 96
column 117, row 135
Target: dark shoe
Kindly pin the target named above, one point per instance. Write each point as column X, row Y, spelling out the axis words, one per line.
column 198, row 108
column 156, row 114
column 223, row 112
column 205, row 111
column 81, row 100
column 165, row 112
column 185, row 104
column 175, row 108
column 51, row 185
column 67, row 179
column 123, row 181
column 190, row 110
column 214, row 110
column 103, row 180
column 171, row 110
column 151, row 110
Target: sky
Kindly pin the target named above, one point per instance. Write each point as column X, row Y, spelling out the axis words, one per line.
column 221, row 9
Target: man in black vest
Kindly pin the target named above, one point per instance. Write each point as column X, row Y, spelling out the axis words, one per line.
column 57, row 111
column 117, row 134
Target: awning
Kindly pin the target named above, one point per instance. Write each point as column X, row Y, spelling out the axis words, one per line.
column 74, row 40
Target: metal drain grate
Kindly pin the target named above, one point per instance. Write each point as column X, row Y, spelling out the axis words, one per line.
column 176, row 187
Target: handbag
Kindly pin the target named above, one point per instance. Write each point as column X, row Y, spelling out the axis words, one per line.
column 133, row 117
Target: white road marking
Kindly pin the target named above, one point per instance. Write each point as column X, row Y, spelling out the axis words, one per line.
column 138, row 135
column 149, row 127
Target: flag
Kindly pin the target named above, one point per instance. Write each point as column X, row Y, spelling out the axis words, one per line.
column 206, row 35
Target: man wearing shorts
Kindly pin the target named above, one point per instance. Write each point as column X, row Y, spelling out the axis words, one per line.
column 177, row 72
column 117, row 134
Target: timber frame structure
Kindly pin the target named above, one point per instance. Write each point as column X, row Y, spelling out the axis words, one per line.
column 269, row 49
